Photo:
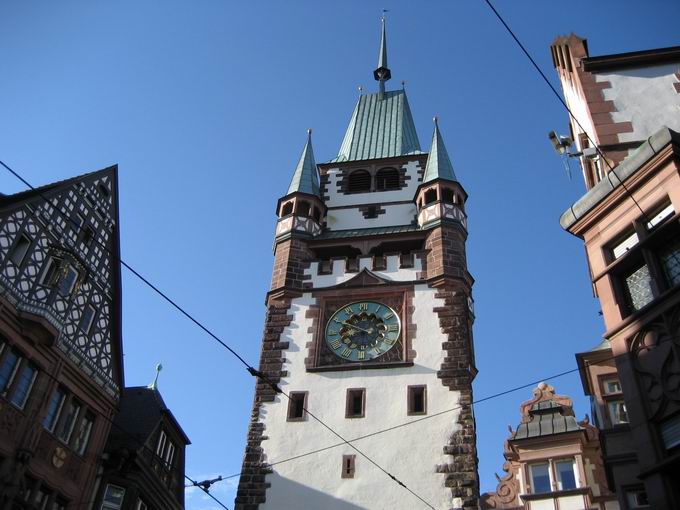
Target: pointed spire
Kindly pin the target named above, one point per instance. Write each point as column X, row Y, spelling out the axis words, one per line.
column 382, row 73
column 305, row 178
column 438, row 163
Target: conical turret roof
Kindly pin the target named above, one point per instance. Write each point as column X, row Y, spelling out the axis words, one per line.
column 305, row 178
column 438, row 163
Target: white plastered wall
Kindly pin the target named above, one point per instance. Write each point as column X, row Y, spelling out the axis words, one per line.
column 644, row 96
column 338, row 274
column 351, row 217
column 411, row 453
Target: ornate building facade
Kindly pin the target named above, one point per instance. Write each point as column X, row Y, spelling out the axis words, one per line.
column 60, row 349
column 627, row 104
column 553, row 461
column 63, row 405
column 369, row 326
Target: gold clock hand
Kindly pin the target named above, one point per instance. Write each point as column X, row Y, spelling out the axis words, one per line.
column 355, row 327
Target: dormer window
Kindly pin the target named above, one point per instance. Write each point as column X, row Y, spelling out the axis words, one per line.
column 359, row 182
column 387, row 179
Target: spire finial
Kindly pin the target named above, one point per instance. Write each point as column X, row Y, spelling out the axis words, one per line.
column 382, row 72
column 435, row 119
column 154, row 384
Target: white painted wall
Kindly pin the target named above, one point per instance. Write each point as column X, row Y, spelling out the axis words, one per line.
column 644, row 96
column 397, row 214
column 392, row 272
column 410, row 453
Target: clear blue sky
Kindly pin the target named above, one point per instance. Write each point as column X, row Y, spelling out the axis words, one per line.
column 204, row 106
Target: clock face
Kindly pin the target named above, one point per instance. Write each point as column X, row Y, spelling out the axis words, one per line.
column 362, row 330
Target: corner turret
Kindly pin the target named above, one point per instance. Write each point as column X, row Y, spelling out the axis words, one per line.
column 440, row 197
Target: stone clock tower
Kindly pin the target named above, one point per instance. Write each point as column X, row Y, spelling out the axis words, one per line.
column 369, row 326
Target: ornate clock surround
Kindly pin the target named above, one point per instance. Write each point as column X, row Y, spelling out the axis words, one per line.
column 397, row 296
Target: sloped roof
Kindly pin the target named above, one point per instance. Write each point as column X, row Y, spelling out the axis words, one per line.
column 141, row 410
column 547, row 418
column 305, row 177
column 381, row 127
column 438, row 162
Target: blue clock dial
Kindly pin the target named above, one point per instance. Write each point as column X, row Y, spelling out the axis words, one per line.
column 362, row 330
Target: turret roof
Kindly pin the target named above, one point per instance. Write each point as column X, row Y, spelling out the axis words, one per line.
column 438, row 163
column 305, row 178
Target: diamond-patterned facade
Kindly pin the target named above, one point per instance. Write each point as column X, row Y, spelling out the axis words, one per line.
column 56, row 229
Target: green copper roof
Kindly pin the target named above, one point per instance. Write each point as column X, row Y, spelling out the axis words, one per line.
column 381, row 127
column 438, row 163
column 305, row 178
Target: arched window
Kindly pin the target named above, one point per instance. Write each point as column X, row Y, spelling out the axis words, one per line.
column 359, row 182
column 447, row 196
column 287, row 209
column 302, row 208
column 430, row 196
column 387, row 179
column 316, row 214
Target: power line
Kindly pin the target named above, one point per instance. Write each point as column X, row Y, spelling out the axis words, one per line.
column 128, row 434
column 566, row 107
column 251, row 370
column 430, row 416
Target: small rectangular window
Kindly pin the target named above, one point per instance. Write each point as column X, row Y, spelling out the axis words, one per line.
column 670, row 432
column 662, row 214
column 638, row 285
column 356, row 401
column 540, row 478
column 622, row 246
column 170, row 455
column 82, row 438
column 566, row 479
column 297, row 405
column 87, row 319
column 68, row 281
column 637, row 499
column 86, row 237
column 54, row 409
column 670, row 260
column 20, row 249
column 68, row 423
column 113, row 498
column 22, row 389
column 52, row 271
column 617, row 411
column 417, row 400
column 348, row 466
column 8, row 368
column 612, row 386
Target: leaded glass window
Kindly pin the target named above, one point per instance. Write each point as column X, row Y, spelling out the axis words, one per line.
column 670, row 259
column 639, row 287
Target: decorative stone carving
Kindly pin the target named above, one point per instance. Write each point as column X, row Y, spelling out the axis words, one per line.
column 656, row 361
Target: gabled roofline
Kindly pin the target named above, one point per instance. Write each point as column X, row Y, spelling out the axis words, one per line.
column 632, row 59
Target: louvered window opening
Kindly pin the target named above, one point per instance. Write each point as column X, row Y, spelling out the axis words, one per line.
column 387, row 179
column 359, row 182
